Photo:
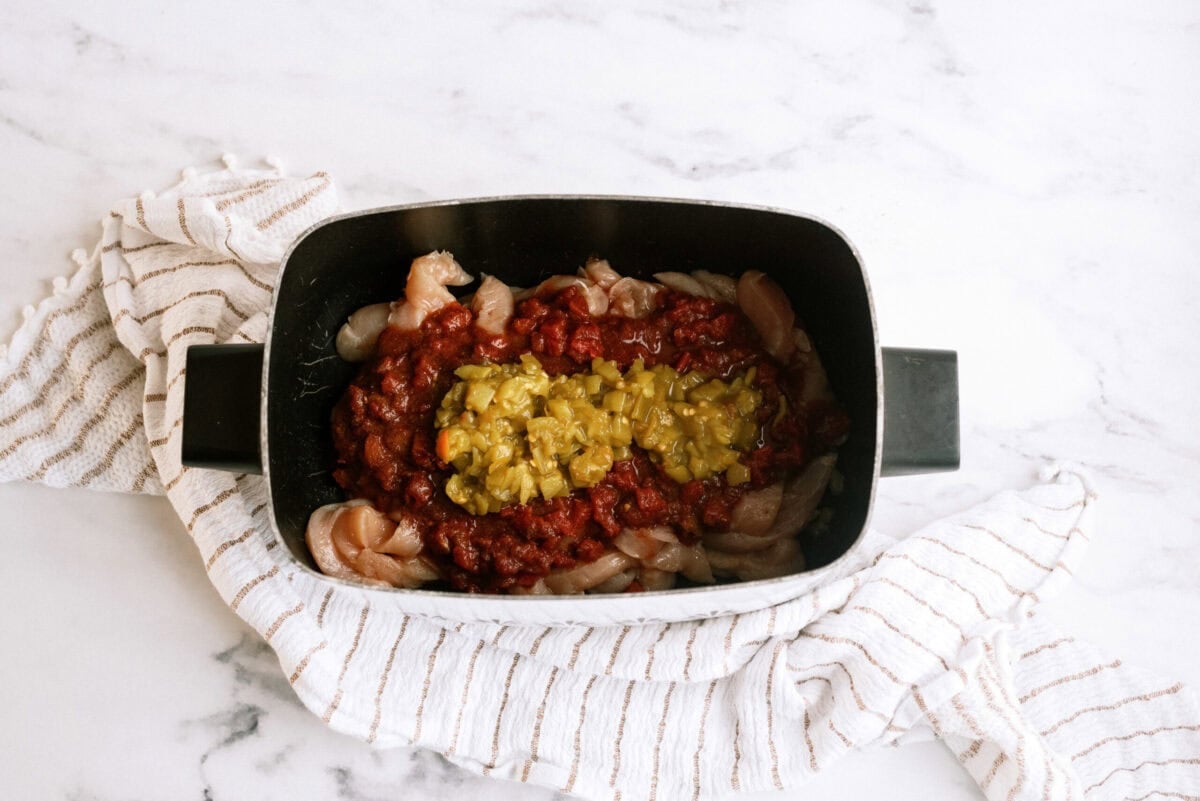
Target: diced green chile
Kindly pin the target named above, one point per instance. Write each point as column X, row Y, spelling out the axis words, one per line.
column 513, row 433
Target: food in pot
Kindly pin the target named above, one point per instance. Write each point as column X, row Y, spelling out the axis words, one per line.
column 512, row 432
column 596, row 433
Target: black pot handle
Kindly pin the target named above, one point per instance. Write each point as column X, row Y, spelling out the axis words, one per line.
column 221, row 401
column 920, row 411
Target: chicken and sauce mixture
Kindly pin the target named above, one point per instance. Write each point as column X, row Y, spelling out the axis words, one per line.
column 596, row 433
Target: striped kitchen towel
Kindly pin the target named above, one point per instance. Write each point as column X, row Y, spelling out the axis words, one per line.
column 936, row 634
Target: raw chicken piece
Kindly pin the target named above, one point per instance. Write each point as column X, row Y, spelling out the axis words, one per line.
column 328, row 529
column 630, row 297
column 357, row 336
column 720, row 287
column 582, row 577
column 769, row 309
column 802, row 495
column 426, row 290
column 405, row 540
column 601, row 273
column 405, row 573
column 682, row 282
column 353, row 541
column 690, row 560
column 653, row 580
column 816, row 382
column 659, row 549
column 493, row 305
column 617, row 583
column 794, row 504
column 639, row 543
column 781, row 559
column 757, row 510
column 730, row 542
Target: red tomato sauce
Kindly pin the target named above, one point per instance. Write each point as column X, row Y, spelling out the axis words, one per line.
column 384, row 434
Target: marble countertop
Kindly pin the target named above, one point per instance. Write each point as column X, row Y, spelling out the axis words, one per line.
column 1022, row 181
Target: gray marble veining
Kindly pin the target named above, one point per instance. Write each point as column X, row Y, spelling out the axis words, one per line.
column 1021, row 180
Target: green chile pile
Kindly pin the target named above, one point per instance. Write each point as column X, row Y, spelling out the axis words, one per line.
column 512, row 432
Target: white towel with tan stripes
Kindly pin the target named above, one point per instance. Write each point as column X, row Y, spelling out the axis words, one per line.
column 936, row 633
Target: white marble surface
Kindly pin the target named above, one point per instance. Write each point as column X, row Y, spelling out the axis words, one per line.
column 1022, row 180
